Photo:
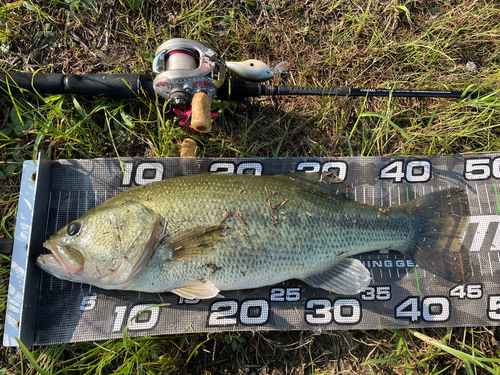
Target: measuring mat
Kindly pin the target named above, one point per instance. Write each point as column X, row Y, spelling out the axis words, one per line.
column 44, row 310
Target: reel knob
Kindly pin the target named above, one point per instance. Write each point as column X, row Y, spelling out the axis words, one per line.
column 200, row 113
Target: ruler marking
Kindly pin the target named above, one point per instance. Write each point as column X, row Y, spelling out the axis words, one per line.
column 61, row 282
column 491, row 266
column 78, row 212
column 48, row 215
column 46, row 233
column 58, row 207
column 487, row 197
column 415, row 268
column 416, row 278
column 56, row 223
column 67, row 210
column 479, row 201
column 480, row 266
column 78, row 203
column 495, row 244
column 399, row 196
column 496, row 195
column 467, row 191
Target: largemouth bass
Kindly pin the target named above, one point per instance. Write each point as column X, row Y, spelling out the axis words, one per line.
column 198, row 235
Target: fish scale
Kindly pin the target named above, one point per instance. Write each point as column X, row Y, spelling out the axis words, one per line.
column 215, row 232
column 271, row 252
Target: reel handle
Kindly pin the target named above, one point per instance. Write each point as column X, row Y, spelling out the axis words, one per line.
column 200, row 113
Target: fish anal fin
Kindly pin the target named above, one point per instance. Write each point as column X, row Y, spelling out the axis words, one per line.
column 347, row 277
column 196, row 243
column 201, row 290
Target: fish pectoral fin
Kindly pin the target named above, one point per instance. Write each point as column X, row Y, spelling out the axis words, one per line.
column 196, row 243
column 347, row 277
column 202, row 290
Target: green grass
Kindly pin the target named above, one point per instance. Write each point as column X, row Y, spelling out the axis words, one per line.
column 384, row 44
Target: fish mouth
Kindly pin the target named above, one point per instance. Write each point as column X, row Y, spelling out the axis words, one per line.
column 61, row 258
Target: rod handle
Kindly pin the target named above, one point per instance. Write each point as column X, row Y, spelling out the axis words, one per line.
column 115, row 85
column 200, row 113
column 43, row 83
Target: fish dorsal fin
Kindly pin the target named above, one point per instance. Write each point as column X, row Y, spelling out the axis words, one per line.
column 326, row 183
column 200, row 290
column 347, row 277
column 196, row 243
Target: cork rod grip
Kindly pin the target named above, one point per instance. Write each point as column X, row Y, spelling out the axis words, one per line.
column 200, row 113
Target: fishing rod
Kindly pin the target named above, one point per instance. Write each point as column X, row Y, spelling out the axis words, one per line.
column 123, row 85
column 184, row 68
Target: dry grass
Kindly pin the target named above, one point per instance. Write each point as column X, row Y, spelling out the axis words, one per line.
column 419, row 44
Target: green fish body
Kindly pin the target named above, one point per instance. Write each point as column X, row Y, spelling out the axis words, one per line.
column 202, row 234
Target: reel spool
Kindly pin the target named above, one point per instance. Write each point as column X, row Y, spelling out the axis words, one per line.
column 185, row 67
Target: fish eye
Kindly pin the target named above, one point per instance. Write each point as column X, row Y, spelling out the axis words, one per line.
column 74, row 228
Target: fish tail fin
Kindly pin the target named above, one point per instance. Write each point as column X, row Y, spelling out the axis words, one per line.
column 441, row 219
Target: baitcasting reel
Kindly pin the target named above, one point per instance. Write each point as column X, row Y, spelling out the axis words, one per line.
column 189, row 73
column 185, row 67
